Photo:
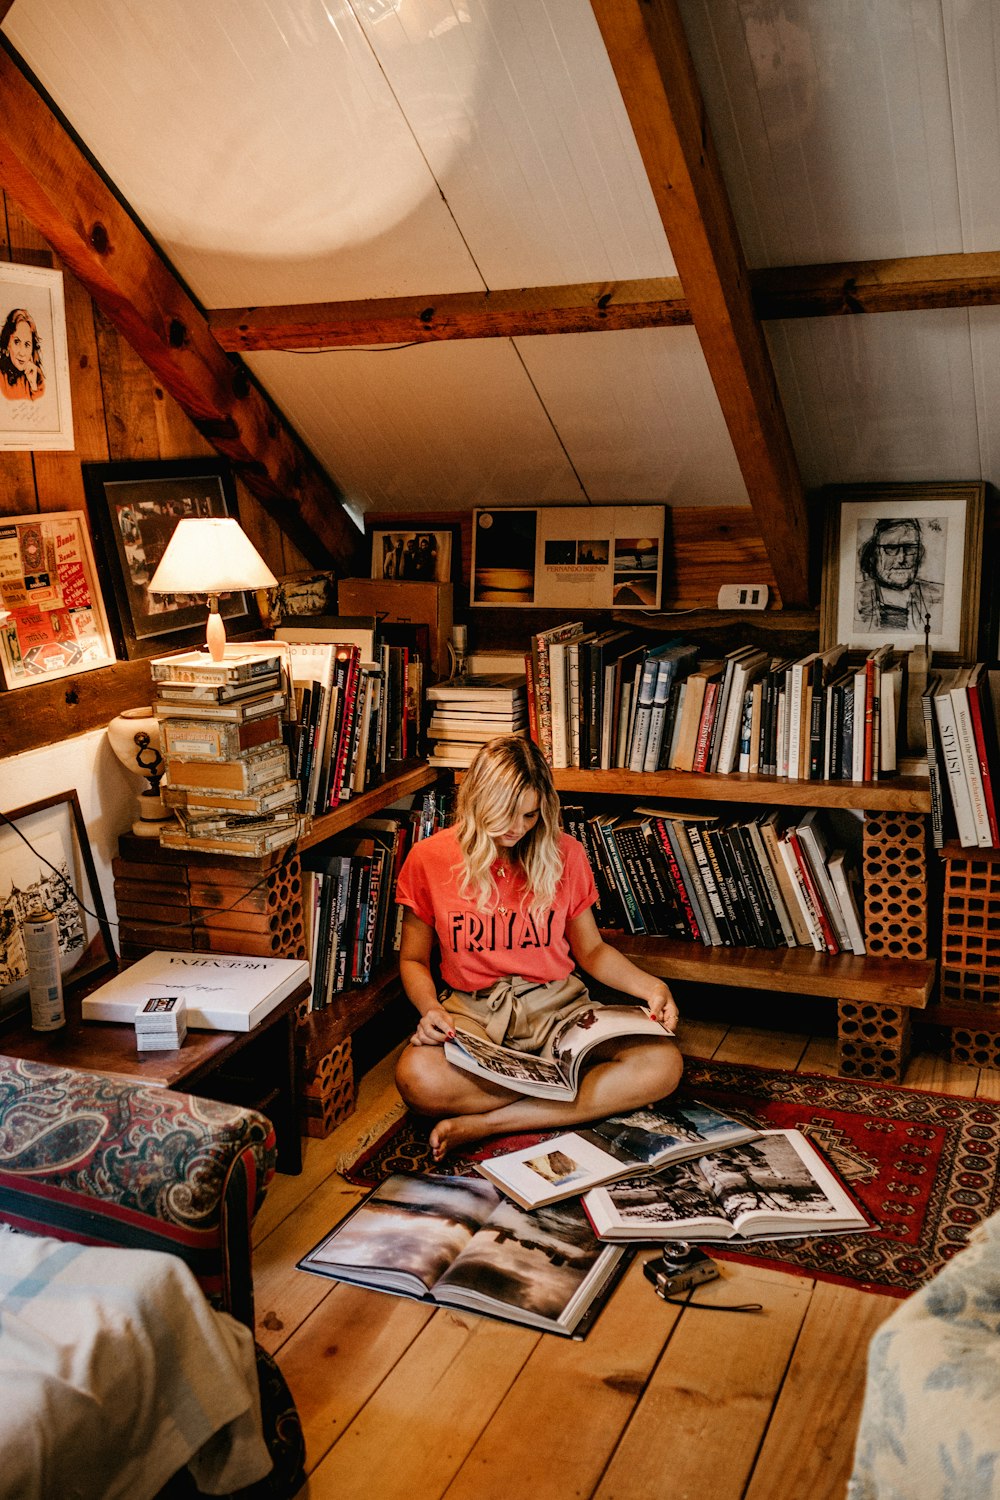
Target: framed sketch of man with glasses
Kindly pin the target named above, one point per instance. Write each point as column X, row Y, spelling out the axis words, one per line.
column 902, row 564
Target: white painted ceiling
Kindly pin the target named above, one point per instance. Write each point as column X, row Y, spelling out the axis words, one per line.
column 293, row 150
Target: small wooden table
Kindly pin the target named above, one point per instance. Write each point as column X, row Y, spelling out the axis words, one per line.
column 253, row 1068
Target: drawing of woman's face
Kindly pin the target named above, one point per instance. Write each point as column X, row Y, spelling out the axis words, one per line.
column 20, row 345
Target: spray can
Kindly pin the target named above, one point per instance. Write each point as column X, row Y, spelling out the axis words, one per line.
column 41, row 946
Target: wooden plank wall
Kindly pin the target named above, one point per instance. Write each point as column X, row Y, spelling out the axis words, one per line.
column 119, row 412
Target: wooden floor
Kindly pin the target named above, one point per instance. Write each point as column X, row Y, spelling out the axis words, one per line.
column 398, row 1400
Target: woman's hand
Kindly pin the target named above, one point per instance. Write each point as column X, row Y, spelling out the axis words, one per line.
column 434, row 1028
column 663, row 1007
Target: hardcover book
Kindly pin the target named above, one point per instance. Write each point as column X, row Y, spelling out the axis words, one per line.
column 222, row 991
column 456, row 1242
column 554, row 1073
column 643, row 1140
column 774, row 1187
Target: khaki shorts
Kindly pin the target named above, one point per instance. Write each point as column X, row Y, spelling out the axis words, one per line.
column 519, row 1013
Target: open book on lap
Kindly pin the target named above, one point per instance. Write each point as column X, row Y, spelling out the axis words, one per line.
column 643, row 1140
column 456, row 1242
column 775, row 1187
column 554, row 1073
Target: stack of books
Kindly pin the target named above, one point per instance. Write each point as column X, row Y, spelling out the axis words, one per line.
column 762, row 880
column 961, row 712
column 228, row 778
column 468, row 711
column 161, row 1024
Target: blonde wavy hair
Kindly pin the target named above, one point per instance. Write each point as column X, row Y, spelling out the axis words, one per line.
column 502, row 771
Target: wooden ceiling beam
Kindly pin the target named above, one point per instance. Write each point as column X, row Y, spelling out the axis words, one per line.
column 66, row 199
column 649, row 54
column 906, row 284
column 513, row 313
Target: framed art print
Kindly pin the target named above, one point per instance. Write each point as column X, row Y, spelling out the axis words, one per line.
column 568, row 557
column 136, row 507
column 902, row 563
column 36, row 412
column 55, row 624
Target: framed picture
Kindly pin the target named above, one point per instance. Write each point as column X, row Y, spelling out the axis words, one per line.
column 46, row 862
column 903, row 561
column 568, row 557
column 136, row 507
column 419, row 556
column 37, row 412
column 56, row 625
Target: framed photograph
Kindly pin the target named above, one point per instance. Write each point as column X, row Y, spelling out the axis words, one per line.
column 902, row 560
column 568, row 557
column 36, row 412
column 136, row 507
column 56, row 625
column 419, row 556
column 46, row 863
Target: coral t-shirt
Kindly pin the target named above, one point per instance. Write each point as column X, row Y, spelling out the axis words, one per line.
column 478, row 948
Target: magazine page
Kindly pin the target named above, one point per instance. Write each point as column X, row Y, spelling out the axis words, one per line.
column 542, row 1269
column 673, row 1204
column 405, row 1233
column 667, row 1132
column 576, row 1161
column 522, row 1071
column 779, row 1184
column 573, row 1038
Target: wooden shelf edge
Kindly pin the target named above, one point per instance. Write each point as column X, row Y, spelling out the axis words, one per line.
column 793, row 971
column 904, row 794
column 413, row 777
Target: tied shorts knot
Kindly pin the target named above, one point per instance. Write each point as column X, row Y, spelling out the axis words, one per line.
column 515, row 1011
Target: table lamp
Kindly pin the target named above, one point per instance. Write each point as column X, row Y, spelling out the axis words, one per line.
column 134, row 736
column 211, row 555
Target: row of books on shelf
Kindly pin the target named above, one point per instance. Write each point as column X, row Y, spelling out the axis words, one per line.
column 961, row 714
column 608, row 699
column 762, row 880
column 357, row 691
column 353, row 920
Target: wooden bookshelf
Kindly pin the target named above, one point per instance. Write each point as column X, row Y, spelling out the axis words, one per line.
column 909, row 794
column 399, row 781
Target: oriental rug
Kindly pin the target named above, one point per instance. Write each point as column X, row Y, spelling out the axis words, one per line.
column 924, row 1166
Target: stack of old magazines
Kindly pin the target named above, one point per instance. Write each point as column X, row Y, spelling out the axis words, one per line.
column 227, row 777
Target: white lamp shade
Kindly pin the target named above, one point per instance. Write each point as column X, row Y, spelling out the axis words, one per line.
column 210, row 555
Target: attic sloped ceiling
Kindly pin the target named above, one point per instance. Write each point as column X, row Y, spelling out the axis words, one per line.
column 300, row 152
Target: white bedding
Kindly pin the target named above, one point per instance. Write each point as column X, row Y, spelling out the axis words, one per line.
column 115, row 1373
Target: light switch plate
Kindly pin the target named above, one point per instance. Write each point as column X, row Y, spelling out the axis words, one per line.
column 744, row 596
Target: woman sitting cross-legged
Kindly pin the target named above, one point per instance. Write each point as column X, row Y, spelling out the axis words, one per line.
column 508, row 897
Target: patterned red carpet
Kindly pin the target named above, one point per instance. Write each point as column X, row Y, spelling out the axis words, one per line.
column 925, row 1166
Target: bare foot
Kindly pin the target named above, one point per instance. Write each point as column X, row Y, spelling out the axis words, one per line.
column 460, row 1130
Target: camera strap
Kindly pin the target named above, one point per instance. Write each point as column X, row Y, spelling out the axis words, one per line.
column 707, row 1306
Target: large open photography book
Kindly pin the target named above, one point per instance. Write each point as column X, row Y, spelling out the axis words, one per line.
column 457, row 1242
column 554, row 1073
column 775, row 1187
column 644, row 1140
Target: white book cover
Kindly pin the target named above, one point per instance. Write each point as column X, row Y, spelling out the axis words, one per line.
column 970, row 760
column 223, row 991
column 813, row 840
column 951, row 752
column 557, row 698
column 858, row 733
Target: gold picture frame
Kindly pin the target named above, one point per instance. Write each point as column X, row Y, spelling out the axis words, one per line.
column 901, row 564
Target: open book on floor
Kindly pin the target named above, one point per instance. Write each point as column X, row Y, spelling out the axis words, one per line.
column 553, row 1074
column 643, row 1140
column 776, row 1187
column 457, row 1242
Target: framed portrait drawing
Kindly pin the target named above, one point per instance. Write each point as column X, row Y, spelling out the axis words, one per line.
column 421, row 556
column 36, row 411
column 568, row 557
column 136, row 507
column 46, row 862
column 56, row 625
column 902, row 560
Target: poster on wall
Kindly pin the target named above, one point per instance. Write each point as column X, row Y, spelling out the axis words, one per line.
column 568, row 557
column 55, row 622
column 36, row 412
